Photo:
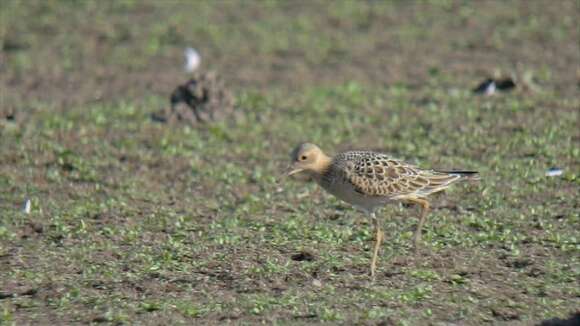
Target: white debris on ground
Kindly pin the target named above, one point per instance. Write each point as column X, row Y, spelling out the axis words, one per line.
column 27, row 206
column 192, row 60
column 554, row 172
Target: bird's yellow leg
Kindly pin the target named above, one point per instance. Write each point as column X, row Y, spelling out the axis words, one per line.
column 379, row 236
column 424, row 210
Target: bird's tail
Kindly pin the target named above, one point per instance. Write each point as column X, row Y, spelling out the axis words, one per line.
column 467, row 175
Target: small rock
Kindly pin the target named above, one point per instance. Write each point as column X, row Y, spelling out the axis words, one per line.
column 316, row 283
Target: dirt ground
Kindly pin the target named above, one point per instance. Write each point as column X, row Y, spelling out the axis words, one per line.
column 135, row 220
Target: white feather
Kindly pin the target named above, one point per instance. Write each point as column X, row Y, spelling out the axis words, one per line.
column 192, row 60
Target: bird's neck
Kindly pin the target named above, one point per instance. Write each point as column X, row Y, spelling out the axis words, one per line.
column 321, row 167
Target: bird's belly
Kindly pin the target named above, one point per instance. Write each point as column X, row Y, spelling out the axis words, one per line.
column 349, row 195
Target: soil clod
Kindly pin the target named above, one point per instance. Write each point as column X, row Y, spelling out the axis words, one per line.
column 202, row 98
column 303, row 256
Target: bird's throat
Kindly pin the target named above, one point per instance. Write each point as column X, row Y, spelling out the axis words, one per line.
column 321, row 166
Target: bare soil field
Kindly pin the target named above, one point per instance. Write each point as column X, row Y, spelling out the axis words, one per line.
column 134, row 219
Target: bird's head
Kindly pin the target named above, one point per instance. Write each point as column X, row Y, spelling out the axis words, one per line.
column 308, row 159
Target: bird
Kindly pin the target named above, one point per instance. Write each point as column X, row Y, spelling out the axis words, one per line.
column 369, row 180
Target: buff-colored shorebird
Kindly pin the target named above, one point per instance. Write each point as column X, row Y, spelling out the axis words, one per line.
column 369, row 180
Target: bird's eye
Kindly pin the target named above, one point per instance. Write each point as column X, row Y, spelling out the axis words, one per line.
column 303, row 157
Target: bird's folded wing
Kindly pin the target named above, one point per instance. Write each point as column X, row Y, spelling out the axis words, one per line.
column 381, row 176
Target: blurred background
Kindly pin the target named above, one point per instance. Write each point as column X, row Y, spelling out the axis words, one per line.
column 128, row 49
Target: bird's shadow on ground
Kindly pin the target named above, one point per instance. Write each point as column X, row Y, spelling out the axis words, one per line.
column 573, row 320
